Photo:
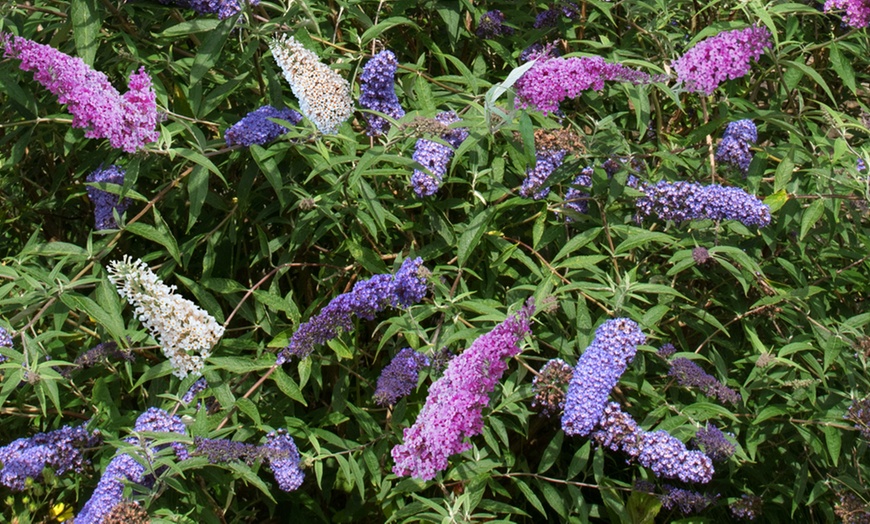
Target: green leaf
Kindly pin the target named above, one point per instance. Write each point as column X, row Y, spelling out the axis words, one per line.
column 197, row 189
column 240, row 365
column 551, row 453
column 776, row 200
column 811, row 215
column 246, row 406
column 812, row 73
column 388, row 23
column 288, row 386
column 114, row 324
column 198, row 25
column 86, row 28
column 843, row 67
column 470, row 238
column 160, row 236
column 530, row 495
column 834, row 441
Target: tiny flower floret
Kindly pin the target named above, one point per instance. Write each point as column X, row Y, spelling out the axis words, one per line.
column 129, row 121
column 722, row 57
column 324, row 96
column 186, row 333
column 453, row 410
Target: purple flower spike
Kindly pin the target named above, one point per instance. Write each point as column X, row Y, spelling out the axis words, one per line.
column 536, row 179
column 106, row 203
column 435, row 156
column 406, row 287
column 195, row 389
column 60, row 450
column 553, row 80
column 597, row 371
column 256, row 128
column 453, row 410
column 665, row 455
column 736, row 142
column 110, row 489
column 713, row 443
column 491, row 25
column 284, row 459
column 5, row 341
column 722, row 57
column 378, row 92
column 399, row 377
column 689, row 374
column 681, row 201
column 223, row 8
column 575, row 198
column 129, row 121
column 857, row 11
column 688, row 502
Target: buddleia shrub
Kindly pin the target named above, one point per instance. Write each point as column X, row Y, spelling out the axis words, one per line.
column 434, row 262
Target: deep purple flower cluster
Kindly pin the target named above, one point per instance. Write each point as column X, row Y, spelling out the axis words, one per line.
column 220, row 450
column 399, row 377
column 106, row 203
column 110, row 489
column 713, row 443
column 718, row 58
column 436, row 157
column 576, row 199
column 538, row 50
column 666, row 350
column 747, row 507
column 664, row 454
column 283, row 457
column 597, row 371
column 406, row 287
column 857, row 11
column 549, row 387
column 689, row 374
column 98, row 353
column 680, row 201
column 127, row 120
column 860, row 165
column 256, row 128
column 736, row 142
column 550, row 17
column 859, row 413
column 491, row 25
column 195, row 389
column 377, row 91
column 223, row 8
column 453, row 410
column 546, row 162
column 5, row 341
column 60, row 450
column 552, row 80
column 686, row 501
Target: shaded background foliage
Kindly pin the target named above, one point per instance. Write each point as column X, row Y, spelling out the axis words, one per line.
column 778, row 313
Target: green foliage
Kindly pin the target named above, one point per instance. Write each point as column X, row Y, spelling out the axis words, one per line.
column 262, row 238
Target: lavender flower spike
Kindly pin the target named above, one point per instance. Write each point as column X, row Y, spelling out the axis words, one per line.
column 597, row 371
column 719, row 58
column 690, row 374
column 546, row 162
column 377, row 91
column 435, row 156
column 453, row 410
column 106, row 203
column 61, row 450
column 491, row 25
column 324, row 96
column 223, row 8
column 664, row 454
column 399, row 377
column 284, row 460
column 256, row 128
column 124, row 468
column 5, row 341
column 129, row 121
column 368, row 297
column 680, row 201
column 736, row 143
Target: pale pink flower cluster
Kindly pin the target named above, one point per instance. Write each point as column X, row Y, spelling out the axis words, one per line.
column 129, row 121
column 185, row 332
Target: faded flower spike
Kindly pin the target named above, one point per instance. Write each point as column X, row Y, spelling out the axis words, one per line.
column 681, row 201
column 105, row 203
column 60, row 450
column 129, row 121
column 399, row 377
column 185, row 332
column 435, row 156
column 689, row 374
column 549, row 387
column 597, row 371
column 722, row 57
column 324, row 96
column 453, row 410
column 377, row 91
column 406, row 287
column 256, row 128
